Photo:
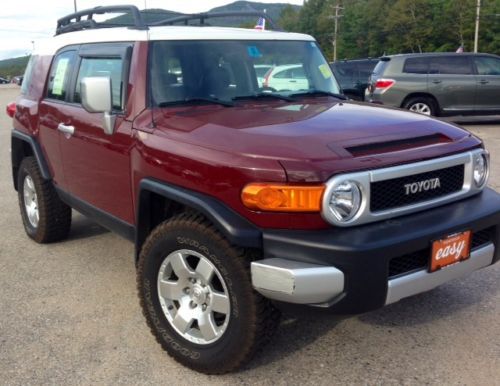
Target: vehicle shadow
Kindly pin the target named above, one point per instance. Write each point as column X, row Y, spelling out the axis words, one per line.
column 473, row 119
column 438, row 303
column 443, row 302
column 292, row 335
column 82, row 228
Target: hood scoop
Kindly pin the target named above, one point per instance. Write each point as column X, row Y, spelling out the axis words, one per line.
column 397, row 145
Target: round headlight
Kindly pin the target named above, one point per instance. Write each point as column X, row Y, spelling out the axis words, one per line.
column 480, row 169
column 345, row 200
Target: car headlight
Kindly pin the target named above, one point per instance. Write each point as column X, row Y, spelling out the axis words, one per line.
column 480, row 169
column 345, row 200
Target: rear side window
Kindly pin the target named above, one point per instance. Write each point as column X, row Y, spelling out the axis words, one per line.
column 102, row 67
column 366, row 68
column 487, row 65
column 456, row 65
column 60, row 75
column 344, row 71
column 380, row 67
column 416, row 66
column 28, row 74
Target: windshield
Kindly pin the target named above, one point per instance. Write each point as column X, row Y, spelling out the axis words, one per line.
column 229, row 70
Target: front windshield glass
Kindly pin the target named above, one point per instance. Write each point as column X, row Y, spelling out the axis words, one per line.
column 229, row 70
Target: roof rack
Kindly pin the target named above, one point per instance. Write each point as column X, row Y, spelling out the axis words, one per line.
column 74, row 22
column 211, row 15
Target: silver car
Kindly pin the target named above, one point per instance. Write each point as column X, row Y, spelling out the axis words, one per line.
column 438, row 83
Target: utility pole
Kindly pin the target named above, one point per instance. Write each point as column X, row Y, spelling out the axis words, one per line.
column 476, row 35
column 337, row 16
column 74, row 3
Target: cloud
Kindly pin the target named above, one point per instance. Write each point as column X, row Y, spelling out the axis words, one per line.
column 24, row 21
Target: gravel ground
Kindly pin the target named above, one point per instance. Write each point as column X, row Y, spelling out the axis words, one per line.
column 69, row 315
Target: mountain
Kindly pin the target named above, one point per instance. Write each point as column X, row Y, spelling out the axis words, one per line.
column 272, row 9
column 13, row 67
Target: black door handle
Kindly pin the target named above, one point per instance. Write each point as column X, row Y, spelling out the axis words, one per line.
column 435, row 81
column 482, row 81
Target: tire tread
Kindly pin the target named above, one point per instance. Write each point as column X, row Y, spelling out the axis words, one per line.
column 266, row 317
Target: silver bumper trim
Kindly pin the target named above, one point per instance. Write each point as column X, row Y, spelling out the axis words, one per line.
column 295, row 282
column 422, row 281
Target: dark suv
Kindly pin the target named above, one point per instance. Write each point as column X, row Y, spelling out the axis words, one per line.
column 242, row 198
column 353, row 76
column 438, row 83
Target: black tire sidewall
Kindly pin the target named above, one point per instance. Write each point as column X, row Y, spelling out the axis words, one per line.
column 239, row 330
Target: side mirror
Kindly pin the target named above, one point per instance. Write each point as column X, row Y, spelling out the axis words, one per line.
column 97, row 98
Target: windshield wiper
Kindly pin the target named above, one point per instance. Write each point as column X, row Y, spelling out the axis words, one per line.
column 319, row 93
column 196, row 100
column 263, row 95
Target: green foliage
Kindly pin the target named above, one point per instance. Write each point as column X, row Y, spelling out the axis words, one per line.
column 13, row 67
column 371, row 28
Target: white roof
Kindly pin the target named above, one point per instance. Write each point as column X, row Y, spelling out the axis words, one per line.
column 101, row 35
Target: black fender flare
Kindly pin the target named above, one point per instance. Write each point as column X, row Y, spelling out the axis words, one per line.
column 233, row 226
column 17, row 153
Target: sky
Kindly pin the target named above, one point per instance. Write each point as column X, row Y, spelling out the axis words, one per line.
column 22, row 22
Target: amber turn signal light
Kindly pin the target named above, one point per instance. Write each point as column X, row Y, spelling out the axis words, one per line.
column 283, row 198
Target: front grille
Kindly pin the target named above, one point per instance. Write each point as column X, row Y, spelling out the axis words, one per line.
column 391, row 194
column 420, row 259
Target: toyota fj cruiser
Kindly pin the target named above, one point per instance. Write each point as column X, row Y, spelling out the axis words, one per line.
column 242, row 198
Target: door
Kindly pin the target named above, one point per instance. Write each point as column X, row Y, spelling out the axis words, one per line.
column 488, row 83
column 452, row 81
column 51, row 113
column 97, row 165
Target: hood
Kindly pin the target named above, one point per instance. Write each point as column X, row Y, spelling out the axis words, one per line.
column 315, row 140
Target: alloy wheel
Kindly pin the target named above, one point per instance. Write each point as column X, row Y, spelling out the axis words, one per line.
column 193, row 296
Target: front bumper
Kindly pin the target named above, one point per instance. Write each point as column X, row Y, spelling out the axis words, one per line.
column 347, row 270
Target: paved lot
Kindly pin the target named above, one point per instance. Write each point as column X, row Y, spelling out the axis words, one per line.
column 69, row 315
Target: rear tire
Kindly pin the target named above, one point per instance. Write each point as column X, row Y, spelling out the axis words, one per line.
column 45, row 217
column 422, row 105
column 177, row 313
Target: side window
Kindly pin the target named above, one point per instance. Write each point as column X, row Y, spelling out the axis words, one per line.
column 102, row 67
column 282, row 74
column 416, row 66
column 28, row 74
column 457, row 65
column 60, row 75
column 298, row 73
column 487, row 65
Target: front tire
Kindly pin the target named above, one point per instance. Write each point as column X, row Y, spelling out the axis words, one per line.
column 45, row 217
column 197, row 297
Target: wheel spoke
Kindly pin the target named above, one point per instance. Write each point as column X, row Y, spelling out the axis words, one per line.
column 30, row 184
column 171, row 290
column 182, row 320
column 205, row 270
column 207, row 326
column 179, row 265
column 220, row 303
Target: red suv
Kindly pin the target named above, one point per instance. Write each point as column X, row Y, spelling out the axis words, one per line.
column 241, row 198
